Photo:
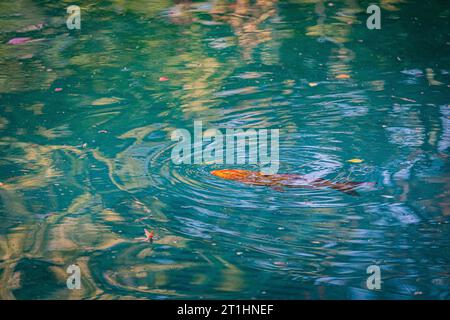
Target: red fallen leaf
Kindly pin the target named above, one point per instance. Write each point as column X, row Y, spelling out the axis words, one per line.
column 163, row 79
column 20, row 40
column 148, row 235
column 58, row 89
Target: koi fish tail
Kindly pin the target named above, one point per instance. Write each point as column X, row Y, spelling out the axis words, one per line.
column 347, row 187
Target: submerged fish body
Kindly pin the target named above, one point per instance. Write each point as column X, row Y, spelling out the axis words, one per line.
column 278, row 181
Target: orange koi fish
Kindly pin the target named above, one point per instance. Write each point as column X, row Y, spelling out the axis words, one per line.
column 278, row 181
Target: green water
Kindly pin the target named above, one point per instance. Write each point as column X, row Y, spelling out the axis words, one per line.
column 85, row 123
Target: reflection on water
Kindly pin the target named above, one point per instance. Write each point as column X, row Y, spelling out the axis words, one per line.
column 85, row 166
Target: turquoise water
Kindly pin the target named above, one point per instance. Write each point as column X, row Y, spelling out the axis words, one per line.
column 85, row 157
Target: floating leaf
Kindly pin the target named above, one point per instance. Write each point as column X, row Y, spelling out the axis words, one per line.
column 404, row 99
column 342, row 76
column 355, row 160
column 105, row 101
column 148, row 235
column 20, row 40
column 33, row 27
column 251, row 75
column 26, row 56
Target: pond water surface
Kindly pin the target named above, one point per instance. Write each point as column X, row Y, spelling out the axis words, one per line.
column 85, row 149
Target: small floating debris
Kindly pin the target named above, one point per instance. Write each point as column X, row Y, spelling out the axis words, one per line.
column 58, row 89
column 404, row 99
column 163, row 79
column 430, row 78
column 149, row 235
column 105, row 101
column 26, row 56
column 313, row 84
column 44, row 215
column 102, row 131
column 252, row 75
column 355, row 160
column 33, row 27
column 19, row 40
column 342, row 76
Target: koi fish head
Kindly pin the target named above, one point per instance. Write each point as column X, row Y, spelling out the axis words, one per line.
column 231, row 174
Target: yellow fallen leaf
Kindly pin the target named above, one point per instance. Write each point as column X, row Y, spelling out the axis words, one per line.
column 355, row 160
column 342, row 76
column 313, row 84
column 105, row 101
